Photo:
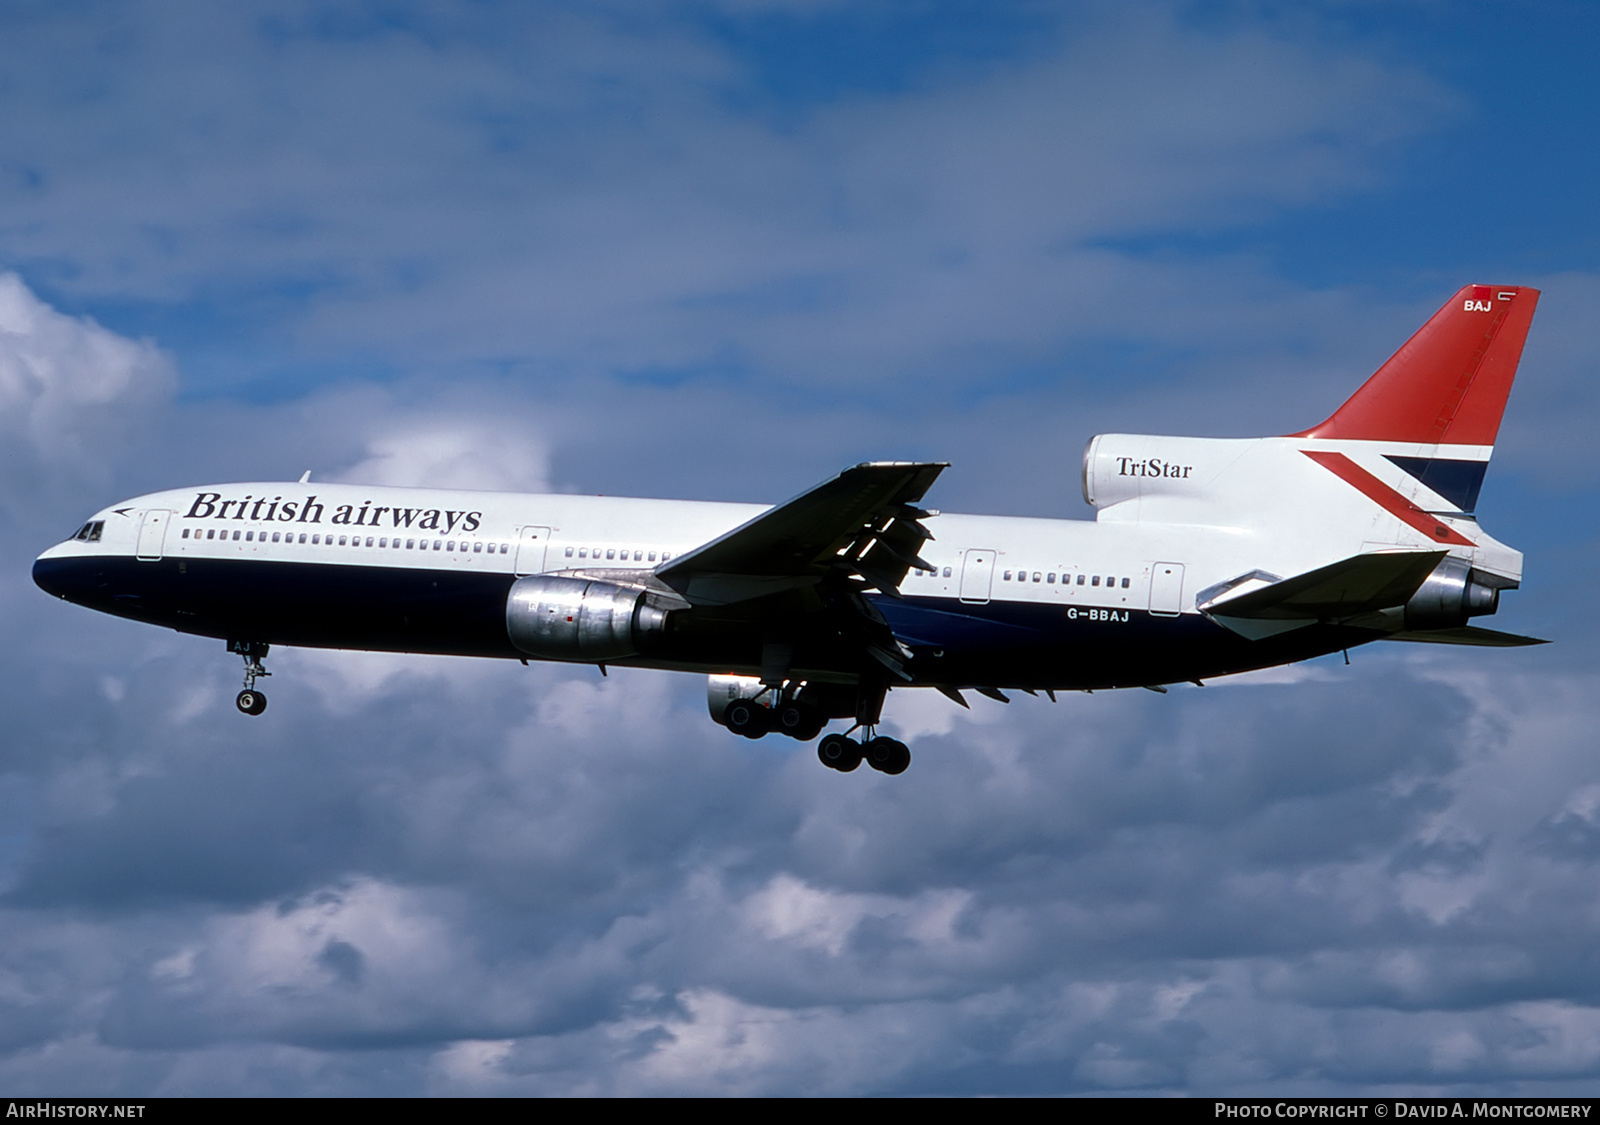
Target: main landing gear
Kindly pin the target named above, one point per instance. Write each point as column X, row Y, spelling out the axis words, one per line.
column 250, row 701
column 801, row 711
column 749, row 718
column 842, row 753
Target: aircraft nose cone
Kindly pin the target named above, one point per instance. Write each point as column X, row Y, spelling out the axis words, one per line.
column 65, row 578
column 47, row 576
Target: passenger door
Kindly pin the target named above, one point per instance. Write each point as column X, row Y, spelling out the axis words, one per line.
column 531, row 544
column 977, row 574
column 152, row 534
column 1166, row 589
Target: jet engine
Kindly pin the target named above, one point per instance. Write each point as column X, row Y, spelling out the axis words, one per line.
column 1450, row 595
column 556, row 618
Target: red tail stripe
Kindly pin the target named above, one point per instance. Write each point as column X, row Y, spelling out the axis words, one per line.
column 1385, row 497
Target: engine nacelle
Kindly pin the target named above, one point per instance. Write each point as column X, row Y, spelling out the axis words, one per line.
column 557, row 618
column 1450, row 595
column 1120, row 467
column 723, row 690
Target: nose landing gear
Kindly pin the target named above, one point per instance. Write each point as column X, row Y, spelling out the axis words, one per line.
column 250, row 701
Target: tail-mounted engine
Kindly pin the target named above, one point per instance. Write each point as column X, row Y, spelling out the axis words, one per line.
column 1450, row 595
column 556, row 618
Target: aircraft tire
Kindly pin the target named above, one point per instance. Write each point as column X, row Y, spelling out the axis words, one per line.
column 749, row 719
column 798, row 721
column 888, row 755
column 250, row 702
column 839, row 753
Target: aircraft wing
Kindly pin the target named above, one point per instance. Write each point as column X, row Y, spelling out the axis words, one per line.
column 1352, row 586
column 863, row 522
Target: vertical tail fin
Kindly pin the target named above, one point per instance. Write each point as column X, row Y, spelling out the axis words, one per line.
column 1448, row 384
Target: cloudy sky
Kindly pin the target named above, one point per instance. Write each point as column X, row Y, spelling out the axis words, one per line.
column 721, row 249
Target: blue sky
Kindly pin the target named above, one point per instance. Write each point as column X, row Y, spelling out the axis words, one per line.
column 721, row 250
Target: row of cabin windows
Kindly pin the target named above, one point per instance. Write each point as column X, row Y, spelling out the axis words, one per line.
column 356, row 541
column 620, row 555
column 1041, row 576
column 1066, row 579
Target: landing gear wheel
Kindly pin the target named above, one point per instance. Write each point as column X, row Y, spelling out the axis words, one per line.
column 839, row 753
column 798, row 721
column 888, row 755
column 749, row 719
column 250, row 701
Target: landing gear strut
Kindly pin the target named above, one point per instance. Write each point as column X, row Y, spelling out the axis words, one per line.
column 250, row 701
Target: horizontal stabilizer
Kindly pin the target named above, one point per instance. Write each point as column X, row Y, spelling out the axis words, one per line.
column 1359, row 584
column 1466, row 635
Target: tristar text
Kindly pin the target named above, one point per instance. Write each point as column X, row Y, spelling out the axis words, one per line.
column 1153, row 467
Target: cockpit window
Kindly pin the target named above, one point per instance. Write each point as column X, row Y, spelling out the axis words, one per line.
column 90, row 532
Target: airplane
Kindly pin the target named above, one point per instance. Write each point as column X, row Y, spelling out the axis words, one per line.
column 1206, row 557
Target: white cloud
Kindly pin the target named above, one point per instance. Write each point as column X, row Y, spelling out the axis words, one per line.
column 72, row 397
